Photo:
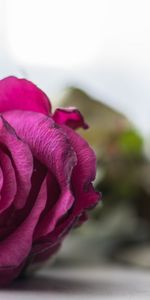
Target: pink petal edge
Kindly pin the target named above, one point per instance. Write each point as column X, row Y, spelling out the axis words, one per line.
column 17, row 93
column 70, row 116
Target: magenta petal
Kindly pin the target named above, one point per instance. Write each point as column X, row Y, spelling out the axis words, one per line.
column 22, row 94
column 48, row 143
column 83, row 174
column 69, row 116
column 82, row 177
column 48, row 223
column 51, row 147
column 15, row 249
column 9, row 187
column 22, row 161
column 1, row 179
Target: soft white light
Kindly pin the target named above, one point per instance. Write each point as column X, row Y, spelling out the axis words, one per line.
column 57, row 32
column 74, row 32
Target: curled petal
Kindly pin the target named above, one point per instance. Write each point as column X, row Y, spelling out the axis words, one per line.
column 1, row 179
column 82, row 177
column 84, row 172
column 22, row 159
column 22, row 94
column 49, row 222
column 9, row 188
column 50, row 145
column 16, row 248
column 69, row 116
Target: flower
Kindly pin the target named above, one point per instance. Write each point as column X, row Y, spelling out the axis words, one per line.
column 46, row 174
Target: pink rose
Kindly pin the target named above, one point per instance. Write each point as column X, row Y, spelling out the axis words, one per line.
column 46, row 170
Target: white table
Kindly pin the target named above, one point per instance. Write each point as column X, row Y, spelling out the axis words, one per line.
column 105, row 282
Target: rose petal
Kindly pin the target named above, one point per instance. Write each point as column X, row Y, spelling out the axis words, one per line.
column 15, row 248
column 53, row 194
column 48, row 143
column 52, row 148
column 69, row 116
column 22, row 161
column 82, row 176
column 48, row 223
column 11, row 218
column 85, row 195
column 22, row 94
column 9, row 187
column 1, row 179
column 85, row 170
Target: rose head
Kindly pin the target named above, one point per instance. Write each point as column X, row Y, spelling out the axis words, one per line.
column 46, row 170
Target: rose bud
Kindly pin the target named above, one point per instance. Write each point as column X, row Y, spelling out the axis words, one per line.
column 46, row 174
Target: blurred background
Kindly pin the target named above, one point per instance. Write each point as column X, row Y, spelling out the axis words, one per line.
column 95, row 55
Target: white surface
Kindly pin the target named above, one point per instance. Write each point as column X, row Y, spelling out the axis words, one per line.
column 94, row 283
